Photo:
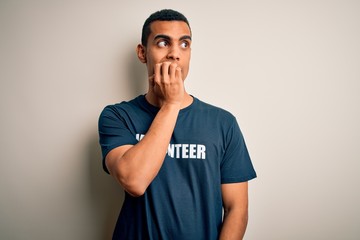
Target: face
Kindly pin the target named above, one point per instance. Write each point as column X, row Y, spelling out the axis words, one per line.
column 169, row 41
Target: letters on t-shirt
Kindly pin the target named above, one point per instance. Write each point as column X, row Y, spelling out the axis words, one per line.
column 183, row 150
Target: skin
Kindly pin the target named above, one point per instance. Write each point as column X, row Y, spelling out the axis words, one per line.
column 168, row 50
column 235, row 201
column 167, row 58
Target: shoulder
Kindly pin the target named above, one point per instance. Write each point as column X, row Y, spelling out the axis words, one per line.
column 118, row 109
column 213, row 110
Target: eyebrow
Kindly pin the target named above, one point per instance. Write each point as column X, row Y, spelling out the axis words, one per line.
column 169, row 38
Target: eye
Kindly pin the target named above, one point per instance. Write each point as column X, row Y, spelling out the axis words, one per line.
column 184, row 44
column 162, row 44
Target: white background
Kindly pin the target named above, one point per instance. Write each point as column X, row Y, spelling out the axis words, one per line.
column 288, row 70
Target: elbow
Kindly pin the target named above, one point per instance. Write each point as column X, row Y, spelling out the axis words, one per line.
column 134, row 191
column 242, row 213
column 133, row 182
column 132, row 185
column 125, row 172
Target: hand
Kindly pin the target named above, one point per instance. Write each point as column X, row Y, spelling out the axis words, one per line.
column 167, row 83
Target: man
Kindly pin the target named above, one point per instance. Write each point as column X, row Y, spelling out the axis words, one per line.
column 180, row 161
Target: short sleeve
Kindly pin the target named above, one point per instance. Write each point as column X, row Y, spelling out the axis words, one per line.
column 236, row 165
column 113, row 131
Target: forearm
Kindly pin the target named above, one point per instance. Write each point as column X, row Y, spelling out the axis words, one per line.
column 139, row 165
column 234, row 224
column 136, row 166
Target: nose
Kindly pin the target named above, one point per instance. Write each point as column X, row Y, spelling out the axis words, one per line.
column 174, row 53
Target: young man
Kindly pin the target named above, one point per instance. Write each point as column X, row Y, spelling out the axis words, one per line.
column 180, row 161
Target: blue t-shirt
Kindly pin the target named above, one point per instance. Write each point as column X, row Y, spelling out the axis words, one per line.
column 184, row 200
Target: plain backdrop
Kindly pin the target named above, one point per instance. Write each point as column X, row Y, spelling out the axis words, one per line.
column 288, row 70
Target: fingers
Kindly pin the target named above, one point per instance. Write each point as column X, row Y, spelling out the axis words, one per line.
column 167, row 82
column 178, row 73
column 175, row 72
column 157, row 72
column 166, row 71
column 172, row 70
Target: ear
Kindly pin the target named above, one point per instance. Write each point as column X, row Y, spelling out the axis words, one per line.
column 141, row 53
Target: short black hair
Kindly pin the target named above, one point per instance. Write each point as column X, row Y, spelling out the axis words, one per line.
column 162, row 15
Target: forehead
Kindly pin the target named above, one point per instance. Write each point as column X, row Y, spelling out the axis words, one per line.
column 174, row 29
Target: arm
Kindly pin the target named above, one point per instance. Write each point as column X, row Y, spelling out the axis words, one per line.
column 235, row 200
column 135, row 166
